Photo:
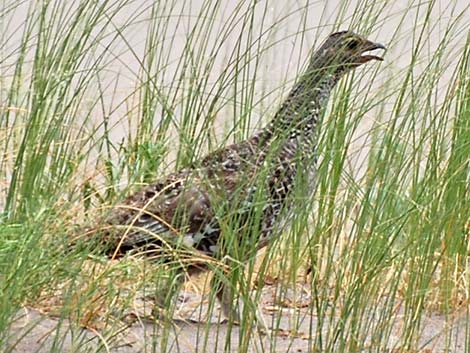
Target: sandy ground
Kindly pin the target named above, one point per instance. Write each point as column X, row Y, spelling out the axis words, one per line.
column 35, row 332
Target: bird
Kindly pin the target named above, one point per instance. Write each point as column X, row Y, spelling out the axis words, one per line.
column 245, row 187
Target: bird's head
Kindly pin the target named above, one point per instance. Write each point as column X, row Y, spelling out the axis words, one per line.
column 343, row 51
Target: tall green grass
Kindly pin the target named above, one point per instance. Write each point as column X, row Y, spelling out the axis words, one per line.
column 98, row 98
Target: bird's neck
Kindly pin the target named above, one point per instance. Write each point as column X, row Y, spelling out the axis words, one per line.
column 299, row 114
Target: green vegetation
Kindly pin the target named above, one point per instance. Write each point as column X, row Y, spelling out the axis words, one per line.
column 99, row 97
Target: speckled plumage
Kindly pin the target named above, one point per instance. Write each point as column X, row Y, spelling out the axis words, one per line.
column 187, row 206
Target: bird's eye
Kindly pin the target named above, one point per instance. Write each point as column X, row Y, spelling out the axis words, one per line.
column 352, row 44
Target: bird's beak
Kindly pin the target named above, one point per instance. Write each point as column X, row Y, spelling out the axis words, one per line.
column 369, row 46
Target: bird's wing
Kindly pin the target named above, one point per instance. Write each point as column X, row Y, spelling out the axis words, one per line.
column 175, row 211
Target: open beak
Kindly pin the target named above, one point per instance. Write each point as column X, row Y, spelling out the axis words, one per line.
column 369, row 46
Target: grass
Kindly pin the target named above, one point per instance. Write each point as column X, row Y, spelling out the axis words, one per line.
column 98, row 98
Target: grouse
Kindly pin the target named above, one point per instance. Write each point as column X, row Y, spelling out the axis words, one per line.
column 245, row 187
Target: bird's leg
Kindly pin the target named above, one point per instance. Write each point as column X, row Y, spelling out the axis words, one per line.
column 230, row 303
column 225, row 295
column 165, row 294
